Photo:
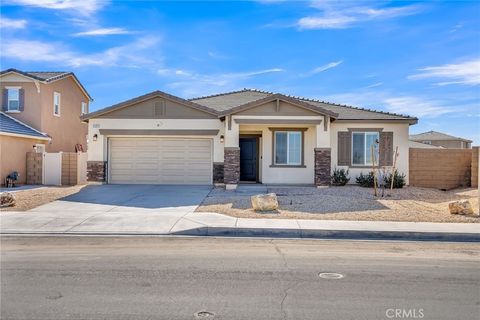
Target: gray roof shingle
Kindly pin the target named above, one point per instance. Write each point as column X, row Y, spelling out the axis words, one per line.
column 11, row 125
column 435, row 135
column 225, row 101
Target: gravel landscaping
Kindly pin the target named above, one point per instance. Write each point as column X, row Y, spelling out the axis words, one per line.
column 347, row 203
column 32, row 198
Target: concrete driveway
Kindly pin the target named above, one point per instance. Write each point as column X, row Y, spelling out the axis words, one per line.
column 111, row 208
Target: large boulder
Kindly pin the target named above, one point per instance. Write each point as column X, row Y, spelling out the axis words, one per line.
column 460, row 207
column 7, row 200
column 265, row 202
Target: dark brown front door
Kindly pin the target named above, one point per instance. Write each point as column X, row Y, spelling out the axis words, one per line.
column 248, row 159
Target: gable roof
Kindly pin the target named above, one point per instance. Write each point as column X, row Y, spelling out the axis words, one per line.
column 435, row 135
column 48, row 76
column 10, row 125
column 144, row 97
column 415, row 144
column 230, row 100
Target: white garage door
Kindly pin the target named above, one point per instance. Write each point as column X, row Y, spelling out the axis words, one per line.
column 160, row 161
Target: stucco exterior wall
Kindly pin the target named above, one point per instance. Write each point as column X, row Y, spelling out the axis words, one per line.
column 400, row 139
column 31, row 113
column 97, row 150
column 13, row 151
column 67, row 130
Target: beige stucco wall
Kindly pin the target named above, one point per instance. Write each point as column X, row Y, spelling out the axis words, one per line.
column 66, row 130
column 13, row 152
column 97, row 150
column 400, row 139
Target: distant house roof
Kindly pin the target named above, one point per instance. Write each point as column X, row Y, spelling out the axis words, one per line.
column 12, row 126
column 226, row 101
column 434, row 136
column 48, row 76
column 415, row 144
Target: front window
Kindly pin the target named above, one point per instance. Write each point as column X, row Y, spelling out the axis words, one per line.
column 56, row 104
column 84, row 108
column 288, row 147
column 362, row 143
column 427, row 142
column 13, row 99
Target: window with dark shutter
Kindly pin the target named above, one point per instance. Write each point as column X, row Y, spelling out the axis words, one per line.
column 344, row 148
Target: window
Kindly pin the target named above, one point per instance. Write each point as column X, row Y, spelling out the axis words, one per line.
column 13, row 99
column 288, row 148
column 427, row 142
column 84, row 108
column 39, row 148
column 362, row 143
column 56, row 104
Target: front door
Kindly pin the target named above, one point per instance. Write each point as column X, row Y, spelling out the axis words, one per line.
column 248, row 159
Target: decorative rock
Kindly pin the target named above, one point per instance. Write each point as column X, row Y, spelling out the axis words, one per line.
column 265, row 202
column 7, row 199
column 460, row 207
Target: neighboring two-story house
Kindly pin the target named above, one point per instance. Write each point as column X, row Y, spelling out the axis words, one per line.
column 40, row 112
column 440, row 139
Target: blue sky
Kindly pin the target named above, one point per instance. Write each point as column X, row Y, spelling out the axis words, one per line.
column 416, row 58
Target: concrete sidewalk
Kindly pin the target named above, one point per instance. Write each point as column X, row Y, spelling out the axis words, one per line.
column 187, row 222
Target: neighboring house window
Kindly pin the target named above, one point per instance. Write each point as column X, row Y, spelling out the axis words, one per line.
column 13, row 99
column 39, row 148
column 362, row 143
column 84, row 108
column 427, row 142
column 56, row 104
column 288, row 147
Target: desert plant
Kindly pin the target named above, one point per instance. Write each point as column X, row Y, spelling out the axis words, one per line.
column 365, row 180
column 339, row 177
column 398, row 180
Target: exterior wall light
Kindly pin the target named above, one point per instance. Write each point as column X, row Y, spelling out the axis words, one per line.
column 95, row 137
column 222, row 138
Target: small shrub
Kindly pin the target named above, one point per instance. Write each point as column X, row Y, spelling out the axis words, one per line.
column 398, row 180
column 340, row 177
column 365, row 180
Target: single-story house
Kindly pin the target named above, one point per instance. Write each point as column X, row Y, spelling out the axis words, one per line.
column 241, row 136
column 16, row 139
column 440, row 139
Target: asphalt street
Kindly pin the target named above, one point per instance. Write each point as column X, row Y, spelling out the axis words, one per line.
column 69, row 277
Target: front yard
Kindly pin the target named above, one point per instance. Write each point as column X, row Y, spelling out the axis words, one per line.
column 347, row 203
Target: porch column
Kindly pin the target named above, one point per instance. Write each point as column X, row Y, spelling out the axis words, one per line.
column 322, row 154
column 231, row 171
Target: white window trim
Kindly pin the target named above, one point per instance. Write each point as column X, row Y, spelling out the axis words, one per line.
column 8, row 100
column 365, row 163
column 41, row 145
column 288, row 148
column 82, row 109
column 59, row 103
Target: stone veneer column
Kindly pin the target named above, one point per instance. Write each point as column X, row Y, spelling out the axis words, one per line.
column 231, row 171
column 96, row 171
column 322, row 166
column 218, row 169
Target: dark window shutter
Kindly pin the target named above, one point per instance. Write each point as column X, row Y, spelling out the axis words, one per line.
column 386, row 149
column 344, row 148
column 5, row 100
column 21, row 99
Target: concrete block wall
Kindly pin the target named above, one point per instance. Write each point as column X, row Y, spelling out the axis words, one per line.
column 440, row 168
column 69, row 168
column 474, row 170
column 34, row 168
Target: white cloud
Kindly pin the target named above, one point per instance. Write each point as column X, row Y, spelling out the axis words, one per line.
column 129, row 55
column 102, row 32
column 12, row 23
column 326, row 67
column 84, row 7
column 194, row 84
column 467, row 73
column 338, row 14
column 374, row 85
column 418, row 106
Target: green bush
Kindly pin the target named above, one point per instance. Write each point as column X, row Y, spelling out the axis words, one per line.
column 398, row 180
column 339, row 177
column 366, row 180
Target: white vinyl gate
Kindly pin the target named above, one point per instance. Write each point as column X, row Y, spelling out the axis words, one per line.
column 52, row 168
column 160, row 161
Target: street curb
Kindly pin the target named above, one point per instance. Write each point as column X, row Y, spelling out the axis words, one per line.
column 286, row 234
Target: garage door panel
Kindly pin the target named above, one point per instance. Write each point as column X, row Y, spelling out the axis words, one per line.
column 160, row 161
